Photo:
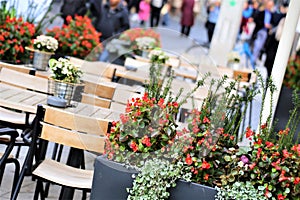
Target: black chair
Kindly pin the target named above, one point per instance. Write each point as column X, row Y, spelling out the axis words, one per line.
column 6, row 156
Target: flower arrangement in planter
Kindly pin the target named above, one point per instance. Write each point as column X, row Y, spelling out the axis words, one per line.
column 43, row 47
column 141, row 39
column 64, row 78
column 78, row 38
column 15, row 35
column 208, row 148
column 64, row 70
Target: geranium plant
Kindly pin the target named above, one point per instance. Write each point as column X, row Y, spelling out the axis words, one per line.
column 149, row 123
column 78, row 38
column 45, row 43
column 15, row 35
column 64, row 70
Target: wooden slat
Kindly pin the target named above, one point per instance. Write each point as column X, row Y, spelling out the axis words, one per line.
column 101, row 90
column 64, row 174
column 19, row 68
column 94, row 100
column 69, row 120
column 73, row 139
column 24, row 80
column 122, row 96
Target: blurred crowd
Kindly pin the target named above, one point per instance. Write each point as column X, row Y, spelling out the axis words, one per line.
column 260, row 29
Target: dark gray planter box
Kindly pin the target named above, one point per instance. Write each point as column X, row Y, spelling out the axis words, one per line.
column 283, row 108
column 111, row 180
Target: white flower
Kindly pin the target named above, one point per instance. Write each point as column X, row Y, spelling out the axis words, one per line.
column 145, row 43
column 45, row 43
column 63, row 70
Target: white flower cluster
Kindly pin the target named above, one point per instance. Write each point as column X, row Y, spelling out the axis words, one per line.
column 158, row 56
column 63, row 69
column 144, row 43
column 45, row 43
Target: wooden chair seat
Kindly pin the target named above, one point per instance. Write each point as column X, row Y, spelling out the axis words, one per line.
column 68, row 176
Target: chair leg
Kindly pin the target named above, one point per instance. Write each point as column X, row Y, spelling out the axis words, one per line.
column 18, row 152
column 39, row 190
column 16, row 176
column 84, row 195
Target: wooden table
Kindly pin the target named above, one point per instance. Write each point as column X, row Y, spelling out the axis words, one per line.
column 27, row 101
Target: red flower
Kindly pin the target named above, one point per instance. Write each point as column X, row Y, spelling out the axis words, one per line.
column 269, row 144
column 280, row 197
column 252, row 166
column 259, row 150
column 206, row 176
column 297, row 180
column 146, row 141
column 205, row 165
column 206, row 120
column 188, row 159
column 263, row 126
column 249, row 133
column 161, row 103
column 124, row 118
column 134, row 146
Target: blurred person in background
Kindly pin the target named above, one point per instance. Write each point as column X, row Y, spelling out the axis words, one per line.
column 144, row 12
column 111, row 19
column 187, row 16
column 213, row 11
column 274, row 35
column 156, row 6
column 72, row 8
column 263, row 25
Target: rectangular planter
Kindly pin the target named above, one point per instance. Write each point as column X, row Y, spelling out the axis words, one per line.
column 111, row 180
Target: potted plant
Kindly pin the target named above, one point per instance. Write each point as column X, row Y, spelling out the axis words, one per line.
column 64, row 78
column 233, row 60
column 78, row 38
column 272, row 162
column 43, row 47
column 147, row 138
column 15, row 35
column 141, row 39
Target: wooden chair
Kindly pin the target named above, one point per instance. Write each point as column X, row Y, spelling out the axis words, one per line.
column 68, row 129
column 14, row 118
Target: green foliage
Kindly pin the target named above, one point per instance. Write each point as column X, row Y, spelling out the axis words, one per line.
column 292, row 73
column 154, row 179
column 241, row 191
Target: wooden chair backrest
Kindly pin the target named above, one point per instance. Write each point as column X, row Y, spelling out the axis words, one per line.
column 20, row 68
column 103, row 90
column 94, row 100
column 98, row 68
column 23, row 80
column 74, row 130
